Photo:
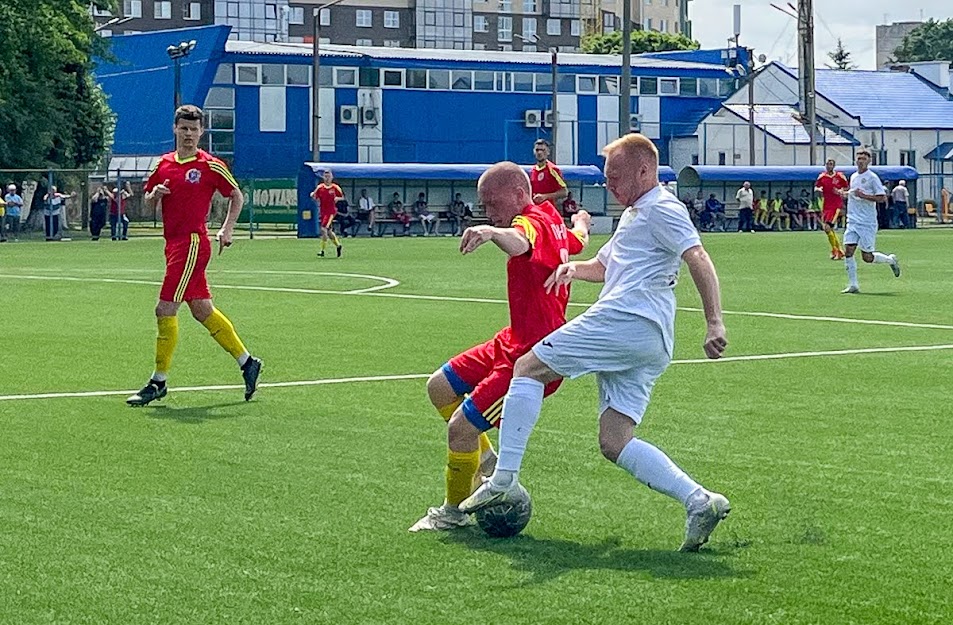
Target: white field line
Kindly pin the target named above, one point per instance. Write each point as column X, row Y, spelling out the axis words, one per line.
column 376, row 292
column 420, row 376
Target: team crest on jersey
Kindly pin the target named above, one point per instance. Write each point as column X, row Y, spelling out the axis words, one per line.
column 193, row 175
column 540, row 176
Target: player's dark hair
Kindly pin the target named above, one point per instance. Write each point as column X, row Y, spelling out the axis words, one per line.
column 189, row 112
column 542, row 142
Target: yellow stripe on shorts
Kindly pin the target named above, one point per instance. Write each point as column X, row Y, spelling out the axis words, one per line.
column 190, row 263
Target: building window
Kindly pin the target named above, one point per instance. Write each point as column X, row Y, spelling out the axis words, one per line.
column 364, row 18
column 483, row 81
column 553, row 27
column 662, row 25
column 299, row 75
column 648, row 23
column 416, row 79
column 220, row 97
column 574, row 28
column 345, row 77
column 296, row 15
column 694, row 159
column 544, row 83
column 586, row 84
column 480, row 25
column 688, row 86
column 908, row 158
column 162, row 9
column 132, row 8
column 97, row 12
column 506, row 47
column 461, row 80
column 391, row 43
column 668, row 86
column 529, row 28
column 506, row 6
column 272, row 74
column 247, row 74
column 391, row 19
column 363, row 42
column 192, row 11
column 459, row 19
column 504, row 28
column 324, row 17
column 522, row 81
column 529, row 6
column 479, row 46
column 223, row 74
column 504, row 81
column 430, row 18
column 648, row 85
column 708, row 87
column 393, row 78
column 608, row 22
column 722, row 159
column 438, row 79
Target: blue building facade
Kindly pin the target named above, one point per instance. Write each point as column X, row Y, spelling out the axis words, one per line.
column 396, row 105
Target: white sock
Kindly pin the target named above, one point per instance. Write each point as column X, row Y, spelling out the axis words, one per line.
column 649, row 465
column 851, row 264
column 521, row 408
column 158, row 377
column 880, row 257
column 243, row 359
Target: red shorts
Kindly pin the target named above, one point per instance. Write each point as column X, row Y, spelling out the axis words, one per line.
column 829, row 214
column 484, row 373
column 185, row 263
column 327, row 219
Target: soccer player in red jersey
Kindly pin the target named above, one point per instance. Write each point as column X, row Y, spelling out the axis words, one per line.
column 184, row 182
column 326, row 194
column 545, row 179
column 830, row 184
column 468, row 390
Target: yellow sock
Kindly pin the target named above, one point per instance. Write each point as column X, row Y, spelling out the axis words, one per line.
column 224, row 333
column 334, row 238
column 832, row 239
column 837, row 244
column 324, row 244
column 461, row 468
column 447, row 411
column 166, row 340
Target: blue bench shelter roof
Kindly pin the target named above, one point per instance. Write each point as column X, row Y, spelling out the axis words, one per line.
column 695, row 175
column 586, row 174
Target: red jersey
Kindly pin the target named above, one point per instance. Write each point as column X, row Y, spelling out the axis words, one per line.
column 533, row 312
column 191, row 182
column 829, row 186
column 327, row 197
column 546, row 179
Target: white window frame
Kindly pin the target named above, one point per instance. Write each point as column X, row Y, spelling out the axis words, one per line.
column 296, row 15
column 554, row 27
column 97, row 12
column 392, row 43
column 506, row 6
column 254, row 66
column 388, row 70
column 132, row 8
column 595, row 80
column 364, row 42
column 337, row 73
column 162, row 9
column 192, row 11
column 530, row 6
column 324, row 17
column 575, row 28
column 504, row 34
column 668, row 81
column 529, row 33
column 391, row 19
column 364, row 18
column 481, row 24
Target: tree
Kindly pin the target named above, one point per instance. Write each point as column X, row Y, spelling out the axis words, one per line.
column 52, row 112
column 840, row 58
column 931, row 41
column 642, row 41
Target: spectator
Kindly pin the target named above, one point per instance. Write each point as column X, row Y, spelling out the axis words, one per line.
column 762, row 206
column 457, row 215
column 814, row 212
column 901, row 200
column 3, row 219
column 714, row 214
column 365, row 213
column 793, row 209
column 117, row 212
column 14, row 205
column 396, row 208
column 745, row 197
column 347, row 223
column 570, row 207
column 693, row 213
column 776, row 215
column 804, row 209
column 884, row 208
column 52, row 209
column 98, row 209
column 428, row 221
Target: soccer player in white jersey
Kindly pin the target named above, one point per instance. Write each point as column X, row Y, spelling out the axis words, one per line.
column 625, row 338
column 862, row 197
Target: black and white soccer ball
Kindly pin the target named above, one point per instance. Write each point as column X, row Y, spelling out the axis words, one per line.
column 506, row 518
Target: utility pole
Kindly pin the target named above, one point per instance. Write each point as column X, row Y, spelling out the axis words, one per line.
column 315, row 88
column 625, row 88
column 805, row 23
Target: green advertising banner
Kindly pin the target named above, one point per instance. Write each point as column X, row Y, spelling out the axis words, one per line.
column 271, row 201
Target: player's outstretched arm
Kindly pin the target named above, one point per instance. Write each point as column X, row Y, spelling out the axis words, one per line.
column 706, row 281
column 581, row 224
column 510, row 240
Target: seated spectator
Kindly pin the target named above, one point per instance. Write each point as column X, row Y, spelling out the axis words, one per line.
column 396, row 208
column 776, row 214
column 761, row 205
column 713, row 214
column 428, row 221
column 792, row 208
column 457, row 215
column 812, row 218
column 365, row 214
column 693, row 213
column 344, row 219
column 570, row 207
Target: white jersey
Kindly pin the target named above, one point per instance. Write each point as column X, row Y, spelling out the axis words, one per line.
column 863, row 212
column 643, row 257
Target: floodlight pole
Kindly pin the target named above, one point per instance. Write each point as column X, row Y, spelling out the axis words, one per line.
column 315, row 71
column 625, row 88
column 177, row 53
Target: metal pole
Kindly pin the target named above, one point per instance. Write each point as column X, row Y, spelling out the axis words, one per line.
column 625, row 89
column 555, row 68
column 177, row 73
column 315, row 89
column 751, row 72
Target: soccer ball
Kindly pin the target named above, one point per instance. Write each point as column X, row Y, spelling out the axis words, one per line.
column 507, row 518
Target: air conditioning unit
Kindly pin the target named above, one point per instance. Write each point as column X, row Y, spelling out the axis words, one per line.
column 533, row 118
column 369, row 116
column 548, row 119
column 349, row 114
column 635, row 122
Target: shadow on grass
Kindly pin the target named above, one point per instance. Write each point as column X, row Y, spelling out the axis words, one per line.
column 548, row 559
column 194, row 414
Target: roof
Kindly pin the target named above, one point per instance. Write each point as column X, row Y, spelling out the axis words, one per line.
column 695, row 175
column 884, row 98
column 472, row 56
column 942, row 152
column 782, row 122
column 586, row 174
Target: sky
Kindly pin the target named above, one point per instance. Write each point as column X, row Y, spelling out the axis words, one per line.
column 774, row 34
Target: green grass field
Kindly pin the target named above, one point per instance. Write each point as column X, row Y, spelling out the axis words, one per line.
column 294, row 508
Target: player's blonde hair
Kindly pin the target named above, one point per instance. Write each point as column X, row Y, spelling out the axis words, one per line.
column 633, row 145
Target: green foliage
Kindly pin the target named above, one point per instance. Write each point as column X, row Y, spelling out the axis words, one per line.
column 642, row 41
column 52, row 113
column 840, row 57
column 932, row 41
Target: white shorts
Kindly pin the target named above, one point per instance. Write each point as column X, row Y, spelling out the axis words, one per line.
column 625, row 351
column 863, row 236
column 427, row 218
